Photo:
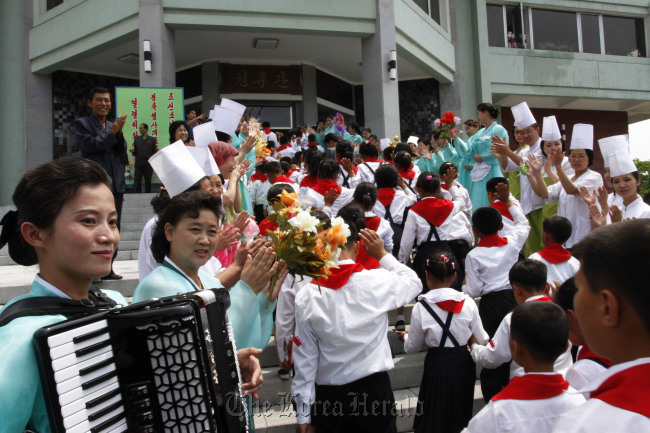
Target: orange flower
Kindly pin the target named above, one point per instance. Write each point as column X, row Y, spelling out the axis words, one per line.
column 336, row 237
column 288, row 198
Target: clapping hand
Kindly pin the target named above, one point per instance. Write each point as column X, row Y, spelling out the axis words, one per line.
column 589, row 198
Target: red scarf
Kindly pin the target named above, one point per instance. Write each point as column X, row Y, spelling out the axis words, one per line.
column 444, row 186
column 281, row 148
column 434, row 210
column 339, row 277
column 501, row 207
column 267, row 131
column 258, row 176
column 354, row 168
column 373, row 222
column 627, row 390
column 267, row 224
column 309, row 182
column 363, row 258
column 408, row 173
column 543, row 299
column 451, row 305
column 533, row 387
column 312, row 144
column 325, row 185
column 282, row 179
column 492, row 241
column 586, row 353
column 555, row 253
column 373, row 160
column 385, row 196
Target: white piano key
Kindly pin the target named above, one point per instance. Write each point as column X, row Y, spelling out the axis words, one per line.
column 76, row 381
column 66, row 337
column 80, row 403
column 80, row 393
column 70, row 348
column 70, row 372
column 82, row 415
column 119, row 429
column 72, row 359
column 85, row 426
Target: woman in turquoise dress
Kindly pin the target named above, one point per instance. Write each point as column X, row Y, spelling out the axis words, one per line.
column 486, row 164
column 465, row 151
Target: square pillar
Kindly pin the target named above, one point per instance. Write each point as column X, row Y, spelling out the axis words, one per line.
column 163, row 59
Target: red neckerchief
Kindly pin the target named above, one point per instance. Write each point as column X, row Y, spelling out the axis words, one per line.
column 501, row 207
column 373, row 160
column 543, row 299
column 585, row 352
column 492, row 241
column 373, row 222
column 282, row 179
column 339, row 277
column 626, row 390
column 281, row 148
column 312, row 144
column 324, row 185
column 555, row 253
column 434, row 210
column 258, row 176
column 451, row 305
column 267, row 131
column 408, row 173
column 365, row 260
column 385, row 196
column 309, row 181
column 533, row 387
column 354, row 168
column 265, row 225
column 444, row 186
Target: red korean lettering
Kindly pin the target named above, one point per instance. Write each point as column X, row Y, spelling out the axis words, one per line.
column 170, row 106
column 154, row 115
column 153, row 97
column 171, row 96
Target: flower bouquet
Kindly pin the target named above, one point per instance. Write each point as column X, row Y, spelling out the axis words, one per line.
column 395, row 141
column 255, row 130
column 446, row 124
column 301, row 241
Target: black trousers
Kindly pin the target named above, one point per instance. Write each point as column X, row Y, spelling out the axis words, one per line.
column 365, row 405
column 147, row 172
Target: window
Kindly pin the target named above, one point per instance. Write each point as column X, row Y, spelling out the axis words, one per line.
column 555, row 31
column 51, row 4
column 496, row 38
column 279, row 117
column 590, row 25
column 517, row 26
column 430, row 7
column 624, row 36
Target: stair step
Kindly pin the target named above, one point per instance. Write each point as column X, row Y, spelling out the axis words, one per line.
column 136, row 218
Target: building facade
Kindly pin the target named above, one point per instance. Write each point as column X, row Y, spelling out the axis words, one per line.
column 295, row 61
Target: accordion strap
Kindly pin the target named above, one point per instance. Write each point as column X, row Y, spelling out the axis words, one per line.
column 44, row 305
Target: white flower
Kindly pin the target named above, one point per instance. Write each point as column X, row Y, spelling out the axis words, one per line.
column 304, row 220
column 338, row 221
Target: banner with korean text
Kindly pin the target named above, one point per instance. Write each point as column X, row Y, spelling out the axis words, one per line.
column 158, row 107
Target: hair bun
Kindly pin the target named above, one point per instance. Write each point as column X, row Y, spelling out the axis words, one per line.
column 10, row 227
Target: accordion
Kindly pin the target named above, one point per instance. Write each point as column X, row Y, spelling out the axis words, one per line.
column 164, row 365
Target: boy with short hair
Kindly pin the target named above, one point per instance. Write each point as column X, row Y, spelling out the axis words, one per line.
column 275, row 174
column 613, row 308
column 560, row 264
column 498, row 188
column 532, row 402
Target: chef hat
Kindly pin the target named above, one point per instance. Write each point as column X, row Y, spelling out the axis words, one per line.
column 176, row 168
column 234, row 106
column 610, row 144
column 620, row 162
column 204, row 158
column 204, row 134
column 550, row 130
column 226, row 120
column 523, row 116
column 413, row 139
column 384, row 143
column 583, row 136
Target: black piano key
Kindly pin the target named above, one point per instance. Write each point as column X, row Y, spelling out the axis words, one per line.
column 98, row 380
column 96, row 367
column 106, row 424
column 99, row 400
column 100, row 413
column 88, row 336
column 92, row 348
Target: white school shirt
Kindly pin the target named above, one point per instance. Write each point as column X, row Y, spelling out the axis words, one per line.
column 364, row 172
column 310, row 197
column 573, row 207
column 463, row 199
column 403, row 198
column 558, row 271
column 384, row 231
column 425, row 331
column 342, row 332
column 529, row 200
column 583, row 372
column 596, row 416
column 295, row 176
column 285, row 311
column 416, row 229
column 510, row 416
column 487, row 268
column 258, row 190
column 353, row 181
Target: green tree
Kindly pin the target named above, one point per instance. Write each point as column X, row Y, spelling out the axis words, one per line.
column 644, row 174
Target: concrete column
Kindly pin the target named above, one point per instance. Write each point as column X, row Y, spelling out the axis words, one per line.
column 380, row 94
column 153, row 28
column 481, row 51
column 309, row 103
column 12, row 87
column 210, row 85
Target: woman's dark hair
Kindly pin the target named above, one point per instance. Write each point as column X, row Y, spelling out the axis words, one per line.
column 436, row 135
column 354, row 217
column 174, row 126
column 159, row 202
column 314, row 159
column 388, row 153
column 402, row 160
column 323, row 217
column 222, row 136
column 296, row 157
column 386, row 176
column 544, row 152
column 39, row 197
column 403, row 147
column 329, row 169
column 368, row 150
column 590, row 155
column 474, row 123
column 440, row 264
column 365, row 195
column 514, row 135
column 187, row 204
column 489, row 108
column 428, row 182
column 344, row 150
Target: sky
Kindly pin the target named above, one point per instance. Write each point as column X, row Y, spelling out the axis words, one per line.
column 640, row 140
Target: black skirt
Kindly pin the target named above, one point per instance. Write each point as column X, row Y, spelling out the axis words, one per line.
column 446, row 394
